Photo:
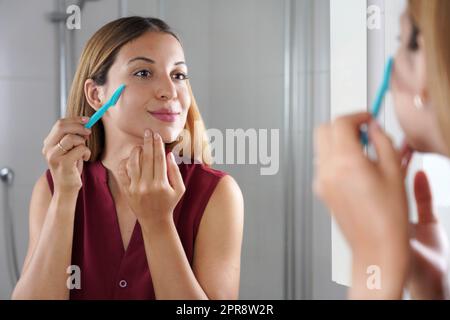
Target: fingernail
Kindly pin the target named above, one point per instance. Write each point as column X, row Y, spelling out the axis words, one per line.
column 156, row 136
column 146, row 133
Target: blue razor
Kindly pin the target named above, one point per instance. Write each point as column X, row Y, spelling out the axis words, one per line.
column 376, row 107
column 100, row 112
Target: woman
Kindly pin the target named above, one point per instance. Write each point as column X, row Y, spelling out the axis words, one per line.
column 368, row 198
column 130, row 223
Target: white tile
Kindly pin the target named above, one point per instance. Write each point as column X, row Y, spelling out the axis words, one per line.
column 28, row 113
column 95, row 14
column 28, row 40
column 148, row 8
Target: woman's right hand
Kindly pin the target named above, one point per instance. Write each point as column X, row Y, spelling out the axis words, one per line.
column 65, row 150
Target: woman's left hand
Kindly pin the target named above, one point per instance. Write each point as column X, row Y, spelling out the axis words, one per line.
column 428, row 279
column 151, row 181
column 368, row 201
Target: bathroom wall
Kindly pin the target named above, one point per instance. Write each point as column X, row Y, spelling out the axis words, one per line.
column 28, row 97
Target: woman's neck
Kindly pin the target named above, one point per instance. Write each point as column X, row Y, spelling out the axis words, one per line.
column 118, row 147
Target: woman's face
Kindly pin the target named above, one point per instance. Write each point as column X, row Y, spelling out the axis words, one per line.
column 156, row 95
column 409, row 82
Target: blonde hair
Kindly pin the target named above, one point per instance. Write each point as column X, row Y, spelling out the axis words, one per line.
column 432, row 19
column 97, row 58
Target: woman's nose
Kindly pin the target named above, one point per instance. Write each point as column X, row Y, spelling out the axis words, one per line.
column 166, row 89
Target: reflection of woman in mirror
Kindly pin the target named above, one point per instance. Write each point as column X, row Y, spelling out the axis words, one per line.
column 368, row 198
column 114, row 202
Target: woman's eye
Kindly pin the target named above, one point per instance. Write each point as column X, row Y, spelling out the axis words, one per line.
column 143, row 74
column 413, row 44
column 180, row 76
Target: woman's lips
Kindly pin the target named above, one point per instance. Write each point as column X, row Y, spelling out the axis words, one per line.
column 165, row 116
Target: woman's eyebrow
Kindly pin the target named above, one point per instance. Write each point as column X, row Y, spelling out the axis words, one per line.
column 142, row 58
column 153, row 61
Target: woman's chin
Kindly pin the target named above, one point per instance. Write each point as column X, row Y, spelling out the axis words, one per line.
column 423, row 147
column 168, row 136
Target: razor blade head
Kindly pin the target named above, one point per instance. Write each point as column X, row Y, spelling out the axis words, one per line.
column 388, row 73
column 116, row 95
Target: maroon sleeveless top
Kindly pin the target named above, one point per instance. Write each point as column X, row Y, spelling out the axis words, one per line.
column 106, row 270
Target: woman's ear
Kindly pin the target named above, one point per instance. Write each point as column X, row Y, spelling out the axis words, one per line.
column 93, row 93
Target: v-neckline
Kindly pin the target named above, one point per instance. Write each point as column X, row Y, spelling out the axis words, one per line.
column 116, row 218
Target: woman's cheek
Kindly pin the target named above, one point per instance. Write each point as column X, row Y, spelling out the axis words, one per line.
column 398, row 99
column 410, row 120
column 401, row 93
column 184, row 96
column 413, row 124
column 403, row 110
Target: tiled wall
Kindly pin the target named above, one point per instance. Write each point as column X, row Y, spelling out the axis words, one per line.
column 28, row 98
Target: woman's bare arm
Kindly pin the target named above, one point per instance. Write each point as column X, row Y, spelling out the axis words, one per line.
column 50, row 245
column 217, row 254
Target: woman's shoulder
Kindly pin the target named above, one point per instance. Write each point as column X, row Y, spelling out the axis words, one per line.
column 200, row 171
column 216, row 192
column 220, row 184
